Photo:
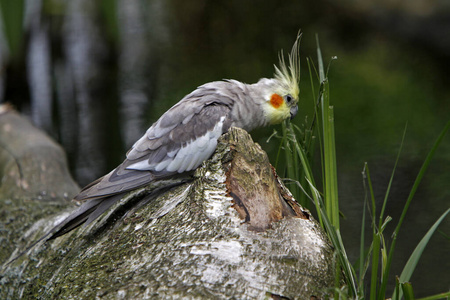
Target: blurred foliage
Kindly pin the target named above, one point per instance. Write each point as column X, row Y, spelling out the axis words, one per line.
column 12, row 12
column 384, row 77
column 109, row 16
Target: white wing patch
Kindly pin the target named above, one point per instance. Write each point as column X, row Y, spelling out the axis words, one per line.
column 186, row 158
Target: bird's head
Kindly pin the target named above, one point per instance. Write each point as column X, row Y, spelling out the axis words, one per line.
column 281, row 93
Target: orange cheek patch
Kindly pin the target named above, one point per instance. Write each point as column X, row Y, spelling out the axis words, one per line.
column 276, row 100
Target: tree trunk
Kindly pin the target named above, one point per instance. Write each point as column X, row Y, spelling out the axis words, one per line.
column 233, row 231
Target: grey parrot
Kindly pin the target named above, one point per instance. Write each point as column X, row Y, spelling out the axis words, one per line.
column 186, row 135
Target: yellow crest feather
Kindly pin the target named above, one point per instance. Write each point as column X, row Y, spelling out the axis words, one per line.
column 289, row 76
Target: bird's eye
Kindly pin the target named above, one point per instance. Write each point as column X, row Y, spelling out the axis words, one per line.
column 289, row 98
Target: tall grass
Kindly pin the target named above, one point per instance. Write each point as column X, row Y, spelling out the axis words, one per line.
column 298, row 147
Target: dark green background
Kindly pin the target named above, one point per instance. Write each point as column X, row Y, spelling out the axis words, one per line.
column 89, row 57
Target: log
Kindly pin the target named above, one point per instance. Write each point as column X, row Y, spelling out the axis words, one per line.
column 31, row 163
column 35, row 179
column 233, row 231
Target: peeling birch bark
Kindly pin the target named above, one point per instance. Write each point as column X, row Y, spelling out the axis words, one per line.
column 232, row 231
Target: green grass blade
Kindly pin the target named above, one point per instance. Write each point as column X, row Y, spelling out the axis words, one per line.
column 331, row 186
column 290, row 172
column 408, row 202
column 307, row 174
column 417, row 253
column 320, row 61
column 372, row 194
column 407, row 290
column 361, row 249
column 379, row 245
column 375, row 261
column 445, row 295
column 383, row 255
column 329, row 148
column 392, row 178
column 397, row 287
column 292, row 169
column 337, row 279
column 375, row 245
column 308, row 61
column 336, row 240
column 346, row 266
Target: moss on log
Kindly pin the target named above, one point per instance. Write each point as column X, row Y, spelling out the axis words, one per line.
column 35, row 180
column 234, row 231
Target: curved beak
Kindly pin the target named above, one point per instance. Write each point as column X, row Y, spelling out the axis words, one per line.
column 294, row 111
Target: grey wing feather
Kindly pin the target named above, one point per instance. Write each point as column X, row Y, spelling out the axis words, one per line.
column 188, row 120
column 191, row 118
column 118, row 181
column 195, row 116
column 82, row 214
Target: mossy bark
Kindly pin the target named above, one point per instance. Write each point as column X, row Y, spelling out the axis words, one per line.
column 35, row 181
column 233, row 231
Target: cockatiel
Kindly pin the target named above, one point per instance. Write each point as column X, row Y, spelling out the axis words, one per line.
column 186, row 135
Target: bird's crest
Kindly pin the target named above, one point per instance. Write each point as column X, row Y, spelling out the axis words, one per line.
column 289, row 76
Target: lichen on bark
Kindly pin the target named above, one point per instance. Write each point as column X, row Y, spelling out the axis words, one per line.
column 193, row 241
